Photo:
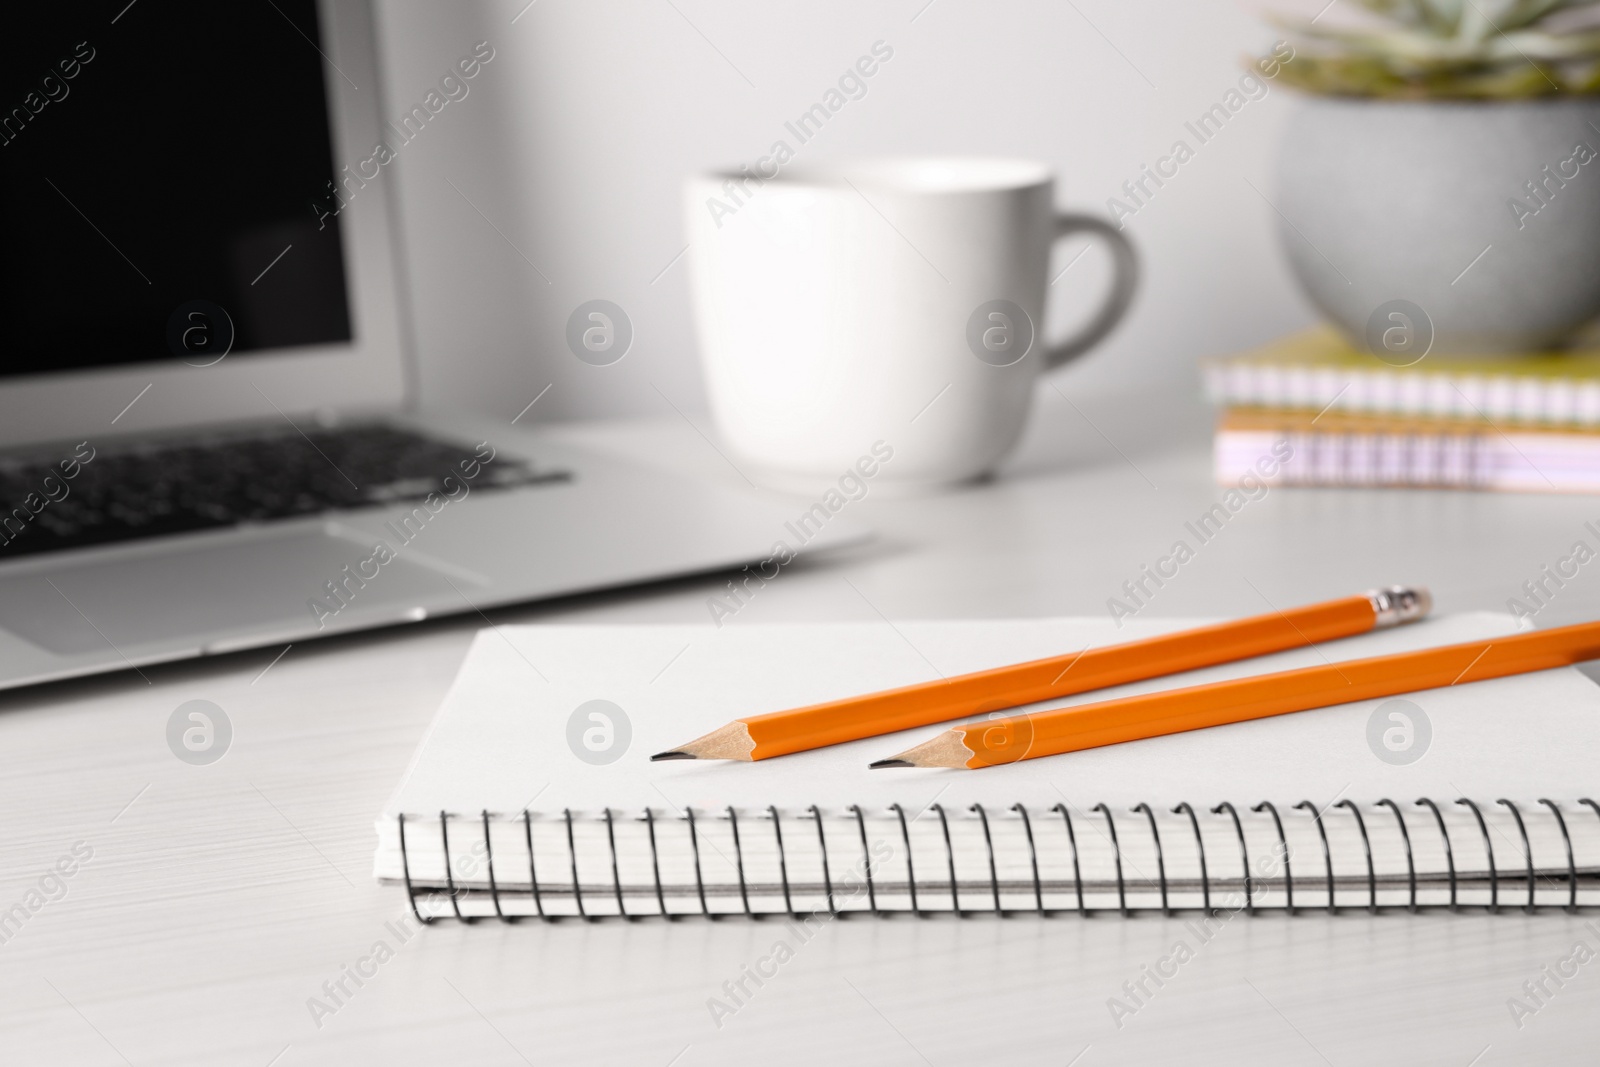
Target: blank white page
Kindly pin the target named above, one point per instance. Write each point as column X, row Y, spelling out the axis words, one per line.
column 500, row 739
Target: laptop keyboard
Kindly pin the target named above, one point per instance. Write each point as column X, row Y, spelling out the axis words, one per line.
column 206, row 482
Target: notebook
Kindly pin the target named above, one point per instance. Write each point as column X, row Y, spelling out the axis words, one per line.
column 1319, row 369
column 1466, row 453
column 533, row 795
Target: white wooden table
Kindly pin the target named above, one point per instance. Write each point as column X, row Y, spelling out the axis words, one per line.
column 219, row 900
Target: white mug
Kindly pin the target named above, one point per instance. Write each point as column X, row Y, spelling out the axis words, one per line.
column 894, row 303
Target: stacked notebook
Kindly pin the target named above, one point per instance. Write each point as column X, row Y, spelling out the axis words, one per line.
column 1342, row 416
column 533, row 794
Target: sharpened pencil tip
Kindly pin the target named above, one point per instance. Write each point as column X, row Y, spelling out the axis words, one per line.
column 879, row 764
column 659, row 756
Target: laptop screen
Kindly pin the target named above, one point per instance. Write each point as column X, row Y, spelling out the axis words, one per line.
column 164, row 171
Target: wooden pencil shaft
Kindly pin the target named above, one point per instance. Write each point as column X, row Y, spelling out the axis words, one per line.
column 1049, row 733
column 853, row 718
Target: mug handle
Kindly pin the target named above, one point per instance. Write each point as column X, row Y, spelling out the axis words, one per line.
column 1124, row 282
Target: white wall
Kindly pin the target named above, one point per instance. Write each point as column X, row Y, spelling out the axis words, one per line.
column 575, row 137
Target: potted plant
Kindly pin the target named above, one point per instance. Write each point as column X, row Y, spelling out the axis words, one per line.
column 1445, row 156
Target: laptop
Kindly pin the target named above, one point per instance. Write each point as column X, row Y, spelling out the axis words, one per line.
column 209, row 439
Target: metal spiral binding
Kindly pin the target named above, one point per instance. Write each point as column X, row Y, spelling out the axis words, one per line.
column 1449, row 853
column 994, row 875
column 911, row 873
column 533, row 875
column 1283, row 843
column 1033, row 855
column 1405, row 835
column 1116, row 850
column 1244, row 854
column 1572, row 870
column 572, row 851
column 1327, row 856
column 783, row 860
column 1527, row 850
column 1072, row 839
column 1596, row 809
column 616, row 872
column 405, row 869
column 827, row 878
column 699, row 882
column 449, row 876
column 1199, row 843
column 1488, row 848
column 1366, row 843
column 455, row 890
column 866, row 858
column 494, row 889
column 655, row 864
column 738, row 859
column 950, row 855
column 1161, row 860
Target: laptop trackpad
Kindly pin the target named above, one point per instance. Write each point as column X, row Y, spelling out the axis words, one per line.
column 199, row 592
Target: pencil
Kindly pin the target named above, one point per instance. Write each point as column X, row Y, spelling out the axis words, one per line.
column 759, row 737
column 1110, row 722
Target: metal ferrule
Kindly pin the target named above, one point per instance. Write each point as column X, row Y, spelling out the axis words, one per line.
column 1398, row 604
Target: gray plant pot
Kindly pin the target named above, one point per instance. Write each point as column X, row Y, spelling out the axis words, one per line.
column 1383, row 201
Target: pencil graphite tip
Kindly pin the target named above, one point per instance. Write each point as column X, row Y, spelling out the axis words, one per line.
column 948, row 749
column 732, row 741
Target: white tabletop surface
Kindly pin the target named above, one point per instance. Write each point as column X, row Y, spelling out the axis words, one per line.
column 218, row 900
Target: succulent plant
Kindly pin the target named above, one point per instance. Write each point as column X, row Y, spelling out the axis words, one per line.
column 1450, row 49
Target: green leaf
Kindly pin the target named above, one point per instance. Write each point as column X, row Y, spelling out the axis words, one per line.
column 1448, row 49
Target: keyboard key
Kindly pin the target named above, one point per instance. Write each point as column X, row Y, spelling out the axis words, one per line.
column 197, row 483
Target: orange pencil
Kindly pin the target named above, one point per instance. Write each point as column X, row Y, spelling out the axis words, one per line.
column 758, row 737
column 1109, row 722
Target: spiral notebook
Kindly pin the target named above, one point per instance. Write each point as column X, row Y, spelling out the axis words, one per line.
column 1463, row 453
column 532, row 794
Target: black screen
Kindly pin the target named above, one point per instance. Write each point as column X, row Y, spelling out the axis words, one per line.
column 159, row 161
